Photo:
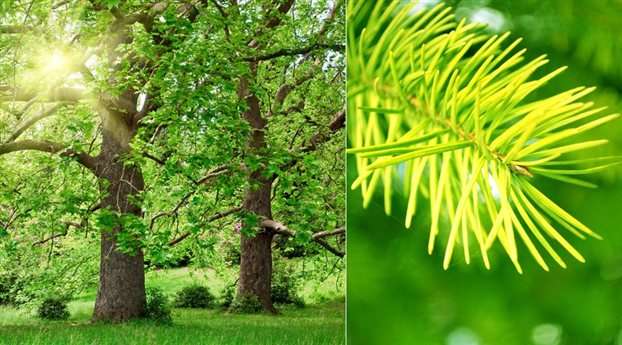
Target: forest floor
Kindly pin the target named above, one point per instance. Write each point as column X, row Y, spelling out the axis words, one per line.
column 317, row 323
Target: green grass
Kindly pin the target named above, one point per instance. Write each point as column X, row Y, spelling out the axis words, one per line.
column 320, row 323
column 311, row 325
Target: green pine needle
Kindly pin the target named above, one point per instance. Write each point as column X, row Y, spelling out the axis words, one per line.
column 445, row 103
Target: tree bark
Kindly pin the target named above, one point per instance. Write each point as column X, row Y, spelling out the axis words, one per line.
column 121, row 292
column 256, row 251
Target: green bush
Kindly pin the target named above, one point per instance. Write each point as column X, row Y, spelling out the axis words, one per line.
column 194, row 296
column 158, row 308
column 248, row 304
column 227, row 296
column 284, row 286
column 8, row 284
column 53, row 309
column 233, row 255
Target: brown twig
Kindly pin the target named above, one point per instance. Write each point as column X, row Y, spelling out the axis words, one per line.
column 216, row 216
column 317, row 237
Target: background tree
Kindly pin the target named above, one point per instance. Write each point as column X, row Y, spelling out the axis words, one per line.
column 95, row 47
column 121, row 293
column 285, row 152
column 265, row 110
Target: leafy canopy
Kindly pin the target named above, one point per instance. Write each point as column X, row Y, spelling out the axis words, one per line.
column 181, row 64
column 445, row 106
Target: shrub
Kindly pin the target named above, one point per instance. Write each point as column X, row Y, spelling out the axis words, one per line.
column 233, row 255
column 299, row 302
column 281, row 291
column 7, row 289
column 53, row 309
column 227, row 296
column 284, row 285
column 194, row 296
column 158, row 308
column 246, row 304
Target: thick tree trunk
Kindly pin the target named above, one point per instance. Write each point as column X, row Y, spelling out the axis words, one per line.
column 121, row 292
column 256, row 251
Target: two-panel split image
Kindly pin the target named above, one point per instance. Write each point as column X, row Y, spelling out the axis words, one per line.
column 310, row 172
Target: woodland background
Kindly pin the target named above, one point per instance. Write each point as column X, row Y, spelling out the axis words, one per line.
column 149, row 144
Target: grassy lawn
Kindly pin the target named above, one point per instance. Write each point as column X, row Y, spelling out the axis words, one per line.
column 318, row 323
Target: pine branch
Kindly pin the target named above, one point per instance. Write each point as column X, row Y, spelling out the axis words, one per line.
column 447, row 103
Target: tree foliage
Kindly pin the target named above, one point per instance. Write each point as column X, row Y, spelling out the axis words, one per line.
column 165, row 78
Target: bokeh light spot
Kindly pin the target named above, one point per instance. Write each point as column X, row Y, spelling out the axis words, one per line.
column 546, row 334
column 462, row 336
column 494, row 19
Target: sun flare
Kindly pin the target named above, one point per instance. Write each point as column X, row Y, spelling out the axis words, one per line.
column 56, row 61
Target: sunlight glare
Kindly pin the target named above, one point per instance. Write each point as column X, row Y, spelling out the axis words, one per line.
column 57, row 61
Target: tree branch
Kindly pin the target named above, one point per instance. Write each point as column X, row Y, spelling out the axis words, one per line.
column 287, row 88
column 208, row 177
column 224, row 16
column 317, row 237
column 210, row 219
column 322, row 234
column 317, row 39
column 158, row 160
column 330, row 18
column 32, row 145
column 322, row 136
column 317, row 139
column 220, row 8
column 58, row 94
column 50, row 147
column 34, row 120
column 213, row 173
column 275, row 19
column 330, row 248
column 61, row 234
column 14, row 29
column 60, row 4
column 45, row 240
column 296, row 51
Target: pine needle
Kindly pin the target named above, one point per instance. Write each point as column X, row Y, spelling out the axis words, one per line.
column 447, row 103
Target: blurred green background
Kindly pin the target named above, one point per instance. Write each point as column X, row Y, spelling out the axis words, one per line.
column 397, row 294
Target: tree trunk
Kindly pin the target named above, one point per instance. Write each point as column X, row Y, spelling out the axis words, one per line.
column 256, row 251
column 121, row 292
